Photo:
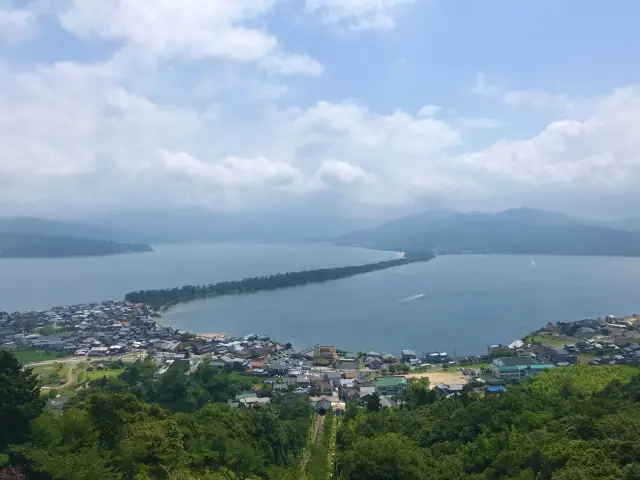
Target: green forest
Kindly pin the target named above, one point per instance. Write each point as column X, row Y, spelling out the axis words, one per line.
column 577, row 423
column 178, row 426
column 159, row 299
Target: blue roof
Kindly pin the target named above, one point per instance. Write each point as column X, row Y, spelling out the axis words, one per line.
column 495, row 389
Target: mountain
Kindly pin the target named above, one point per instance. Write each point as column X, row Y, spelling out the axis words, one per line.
column 514, row 231
column 195, row 225
column 629, row 224
column 35, row 245
column 42, row 226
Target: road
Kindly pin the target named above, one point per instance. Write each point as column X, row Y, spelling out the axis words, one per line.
column 129, row 357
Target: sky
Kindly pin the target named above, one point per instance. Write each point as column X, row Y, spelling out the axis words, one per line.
column 362, row 108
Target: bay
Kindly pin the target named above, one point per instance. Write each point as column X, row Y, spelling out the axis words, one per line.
column 38, row 284
column 454, row 303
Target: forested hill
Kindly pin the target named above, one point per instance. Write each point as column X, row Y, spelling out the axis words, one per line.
column 574, row 423
column 27, row 245
column 516, row 231
column 158, row 299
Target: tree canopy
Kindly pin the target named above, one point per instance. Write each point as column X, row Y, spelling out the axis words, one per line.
column 574, row 423
column 164, row 298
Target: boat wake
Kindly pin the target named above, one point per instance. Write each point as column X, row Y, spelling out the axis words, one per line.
column 411, row 298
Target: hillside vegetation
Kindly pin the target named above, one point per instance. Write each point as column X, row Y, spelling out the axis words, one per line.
column 580, row 424
column 576, row 423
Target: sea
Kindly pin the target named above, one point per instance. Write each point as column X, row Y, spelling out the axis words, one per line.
column 456, row 304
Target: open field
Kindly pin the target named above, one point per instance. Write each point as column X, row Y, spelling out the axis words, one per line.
column 50, row 374
column 475, row 366
column 545, row 337
column 31, row 356
column 87, row 376
column 441, row 377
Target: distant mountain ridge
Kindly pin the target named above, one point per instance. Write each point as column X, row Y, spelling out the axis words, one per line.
column 43, row 226
column 34, row 245
column 26, row 237
column 513, row 231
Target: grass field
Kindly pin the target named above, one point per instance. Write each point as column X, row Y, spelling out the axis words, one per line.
column 85, row 376
column 50, row 374
column 32, row 356
column 475, row 366
column 584, row 358
column 547, row 338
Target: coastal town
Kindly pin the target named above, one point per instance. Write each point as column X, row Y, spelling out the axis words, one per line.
column 97, row 335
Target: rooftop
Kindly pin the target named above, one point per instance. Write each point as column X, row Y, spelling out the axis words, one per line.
column 390, row 381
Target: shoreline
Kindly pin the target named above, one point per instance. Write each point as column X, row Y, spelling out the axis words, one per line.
column 161, row 300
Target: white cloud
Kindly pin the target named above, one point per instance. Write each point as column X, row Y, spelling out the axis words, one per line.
column 483, row 86
column 597, row 153
column 358, row 15
column 192, row 29
column 480, row 122
column 98, row 136
column 16, row 25
column 538, row 100
column 338, row 171
column 293, row 65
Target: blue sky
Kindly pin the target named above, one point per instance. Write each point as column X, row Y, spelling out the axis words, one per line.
column 362, row 107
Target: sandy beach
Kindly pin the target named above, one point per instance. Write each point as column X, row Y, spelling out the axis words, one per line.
column 441, row 377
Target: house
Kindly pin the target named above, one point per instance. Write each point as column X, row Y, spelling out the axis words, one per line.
column 324, row 387
column 58, row 404
column 303, row 381
column 98, row 351
column 346, row 388
column 366, row 390
column 278, row 368
column 449, row 389
column 375, row 363
column 495, row 389
column 324, row 355
column 333, row 377
column 243, row 397
column 388, row 358
column 392, row 386
column 322, row 405
column 169, row 346
column 408, row 355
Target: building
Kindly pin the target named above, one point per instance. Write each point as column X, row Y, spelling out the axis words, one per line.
column 324, row 355
column 449, row 389
column 98, row 351
column 408, row 355
column 392, row 386
column 515, row 368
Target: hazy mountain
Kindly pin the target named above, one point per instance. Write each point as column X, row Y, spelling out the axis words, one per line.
column 35, row 245
column 515, row 231
column 42, row 226
column 192, row 225
column 629, row 224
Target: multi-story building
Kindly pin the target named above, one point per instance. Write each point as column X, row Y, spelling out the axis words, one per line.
column 391, row 386
column 515, row 368
column 324, row 355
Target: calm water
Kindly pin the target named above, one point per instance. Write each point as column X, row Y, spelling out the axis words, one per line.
column 35, row 284
column 458, row 302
